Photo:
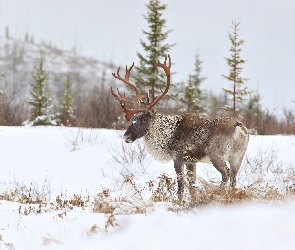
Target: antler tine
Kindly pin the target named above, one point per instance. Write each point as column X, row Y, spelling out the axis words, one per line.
column 114, row 95
column 149, row 94
column 120, row 98
column 127, row 74
column 167, row 72
column 124, row 99
column 126, row 79
column 164, row 66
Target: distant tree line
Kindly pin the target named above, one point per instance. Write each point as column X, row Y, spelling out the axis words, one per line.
column 72, row 101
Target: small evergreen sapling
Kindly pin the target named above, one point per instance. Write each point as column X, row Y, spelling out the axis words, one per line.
column 236, row 92
column 41, row 108
column 67, row 116
column 193, row 95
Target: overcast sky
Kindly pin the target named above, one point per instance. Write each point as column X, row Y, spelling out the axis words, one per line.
column 110, row 30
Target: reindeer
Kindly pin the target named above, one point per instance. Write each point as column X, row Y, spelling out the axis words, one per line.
column 187, row 138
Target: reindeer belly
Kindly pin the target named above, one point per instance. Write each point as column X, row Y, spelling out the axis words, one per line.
column 192, row 159
column 197, row 154
column 190, row 152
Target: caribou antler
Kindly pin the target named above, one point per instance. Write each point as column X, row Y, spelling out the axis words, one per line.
column 124, row 99
column 138, row 97
column 167, row 72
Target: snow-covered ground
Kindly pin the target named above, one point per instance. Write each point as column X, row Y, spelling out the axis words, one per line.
column 66, row 161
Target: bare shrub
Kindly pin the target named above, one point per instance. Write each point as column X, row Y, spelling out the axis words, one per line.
column 131, row 157
column 97, row 109
column 131, row 197
column 265, row 169
column 271, row 123
column 77, row 135
column 13, row 109
column 289, row 122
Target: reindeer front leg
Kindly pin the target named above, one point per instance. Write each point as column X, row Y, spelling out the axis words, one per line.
column 191, row 176
column 178, row 166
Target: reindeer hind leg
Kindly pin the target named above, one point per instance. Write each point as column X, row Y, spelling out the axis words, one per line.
column 235, row 164
column 219, row 163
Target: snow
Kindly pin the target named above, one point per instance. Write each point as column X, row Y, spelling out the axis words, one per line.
column 70, row 161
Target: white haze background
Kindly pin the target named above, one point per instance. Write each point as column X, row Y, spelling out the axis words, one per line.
column 111, row 31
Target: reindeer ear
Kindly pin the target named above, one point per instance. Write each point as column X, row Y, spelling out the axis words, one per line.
column 152, row 112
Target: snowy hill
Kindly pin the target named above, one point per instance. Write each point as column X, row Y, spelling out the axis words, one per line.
column 18, row 59
column 43, row 168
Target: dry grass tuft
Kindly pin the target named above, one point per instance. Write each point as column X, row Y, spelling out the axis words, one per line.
column 5, row 245
column 36, row 199
column 48, row 240
column 21, row 193
column 93, row 230
column 129, row 200
column 166, row 190
column 103, row 202
column 110, row 225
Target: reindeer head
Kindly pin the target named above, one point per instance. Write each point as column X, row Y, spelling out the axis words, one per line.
column 140, row 117
column 139, row 127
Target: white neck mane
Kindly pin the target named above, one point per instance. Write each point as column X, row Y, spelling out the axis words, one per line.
column 160, row 132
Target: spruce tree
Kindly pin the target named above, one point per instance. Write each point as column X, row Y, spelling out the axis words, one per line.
column 193, row 95
column 148, row 75
column 41, row 108
column 237, row 92
column 253, row 112
column 67, row 116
